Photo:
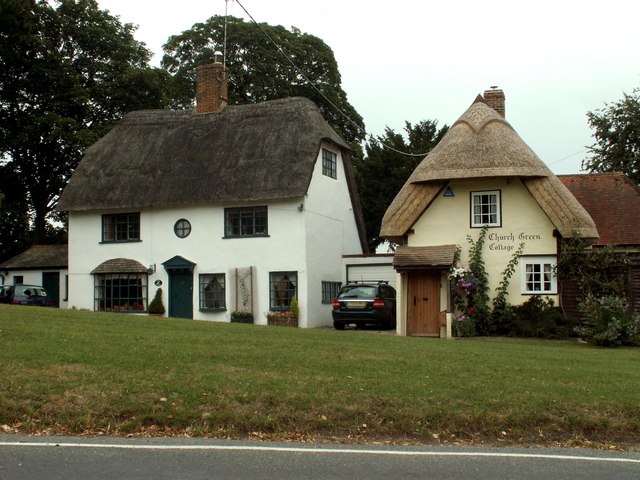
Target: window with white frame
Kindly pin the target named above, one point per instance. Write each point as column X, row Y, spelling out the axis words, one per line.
column 330, row 291
column 485, row 209
column 329, row 163
column 212, row 289
column 538, row 275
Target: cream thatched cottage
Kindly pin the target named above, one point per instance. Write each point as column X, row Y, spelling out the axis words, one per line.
column 480, row 174
column 226, row 208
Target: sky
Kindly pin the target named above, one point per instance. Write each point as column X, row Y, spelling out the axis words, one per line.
column 413, row 60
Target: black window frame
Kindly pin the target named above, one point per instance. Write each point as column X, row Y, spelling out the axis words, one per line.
column 124, row 227
column 330, row 291
column 217, row 298
column 277, row 302
column 235, row 216
column 182, row 228
column 329, row 163
column 116, row 292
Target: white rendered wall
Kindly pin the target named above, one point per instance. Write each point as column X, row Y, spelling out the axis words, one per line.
column 330, row 232
column 282, row 250
column 447, row 221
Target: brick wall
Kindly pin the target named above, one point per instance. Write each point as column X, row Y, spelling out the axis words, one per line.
column 495, row 99
column 211, row 88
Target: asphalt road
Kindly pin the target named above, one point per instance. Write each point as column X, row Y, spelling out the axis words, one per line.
column 68, row 458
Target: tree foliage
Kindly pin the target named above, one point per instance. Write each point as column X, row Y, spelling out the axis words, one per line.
column 617, row 134
column 70, row 70
column 382, row 172
column 258, row 71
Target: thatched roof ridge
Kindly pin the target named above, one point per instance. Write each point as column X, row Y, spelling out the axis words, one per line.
column 481, row 144
column 256, row 152
column 39, row 257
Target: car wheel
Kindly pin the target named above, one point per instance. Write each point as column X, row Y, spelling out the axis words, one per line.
column 338, row 325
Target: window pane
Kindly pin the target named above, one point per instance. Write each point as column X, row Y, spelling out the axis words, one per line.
column 121, row 227
column 329, row 163
column 121, row 292
column 246, row 221
column 282, row 288
column 485, row 209
column 212, row 291
column 330, row 291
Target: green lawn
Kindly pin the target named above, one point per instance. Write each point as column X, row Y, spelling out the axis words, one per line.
column 76, row 372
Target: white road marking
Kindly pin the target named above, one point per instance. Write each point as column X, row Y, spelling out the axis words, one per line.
column 350, row 451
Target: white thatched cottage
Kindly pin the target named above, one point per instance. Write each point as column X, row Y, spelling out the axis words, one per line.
column 480, row 174
column 226, row 208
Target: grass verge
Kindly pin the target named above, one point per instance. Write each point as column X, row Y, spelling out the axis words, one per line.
column 73, row 372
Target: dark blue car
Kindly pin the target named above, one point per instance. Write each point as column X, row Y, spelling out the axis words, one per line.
column 21, row 294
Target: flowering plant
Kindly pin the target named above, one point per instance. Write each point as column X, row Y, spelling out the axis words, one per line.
column 287, row 315
column 463, row 277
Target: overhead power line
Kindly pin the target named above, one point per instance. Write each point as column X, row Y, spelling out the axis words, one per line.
column 303, row 75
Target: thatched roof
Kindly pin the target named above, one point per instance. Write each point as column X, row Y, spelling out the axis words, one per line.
column 155, row 158
column 164, row 158
column 39, row 257
column 481, row 144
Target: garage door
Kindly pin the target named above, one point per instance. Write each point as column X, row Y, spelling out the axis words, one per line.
column 372, row 272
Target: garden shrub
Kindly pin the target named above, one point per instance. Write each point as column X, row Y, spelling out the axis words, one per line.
column 538, row 317
column 607, row 323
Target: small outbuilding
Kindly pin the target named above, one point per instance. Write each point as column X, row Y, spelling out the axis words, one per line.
column 45, row 265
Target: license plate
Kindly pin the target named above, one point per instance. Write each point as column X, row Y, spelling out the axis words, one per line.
column 356, row 304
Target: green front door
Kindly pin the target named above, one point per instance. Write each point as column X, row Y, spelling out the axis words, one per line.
column 180, row 271
column 51, row 283
column 180, row 294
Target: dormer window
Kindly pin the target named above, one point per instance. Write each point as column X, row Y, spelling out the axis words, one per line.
column 329, row 163
column 486, row 209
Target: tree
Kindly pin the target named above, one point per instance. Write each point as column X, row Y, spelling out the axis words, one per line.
column 258, row 71
column 69, row 72
column 14, row 225
column 617, row 134
column 382, row 172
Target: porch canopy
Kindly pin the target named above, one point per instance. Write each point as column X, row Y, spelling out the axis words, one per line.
column 119, row 265
column 422, row 258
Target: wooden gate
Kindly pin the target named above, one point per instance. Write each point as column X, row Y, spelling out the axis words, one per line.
column 423, row 303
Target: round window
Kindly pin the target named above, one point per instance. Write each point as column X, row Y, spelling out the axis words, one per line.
column 182, row 228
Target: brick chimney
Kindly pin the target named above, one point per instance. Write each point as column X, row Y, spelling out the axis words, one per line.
column 495, row 99
column 211, row 87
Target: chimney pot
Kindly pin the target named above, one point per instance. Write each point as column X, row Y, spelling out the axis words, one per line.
column 495, row 99
column 211, row 88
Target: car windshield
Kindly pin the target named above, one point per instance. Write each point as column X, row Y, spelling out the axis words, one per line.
column 359, row 291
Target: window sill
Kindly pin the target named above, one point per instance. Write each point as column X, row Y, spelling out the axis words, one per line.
column 539, row 293
column 245, row 236
column 213, row 310
column 106, row 242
